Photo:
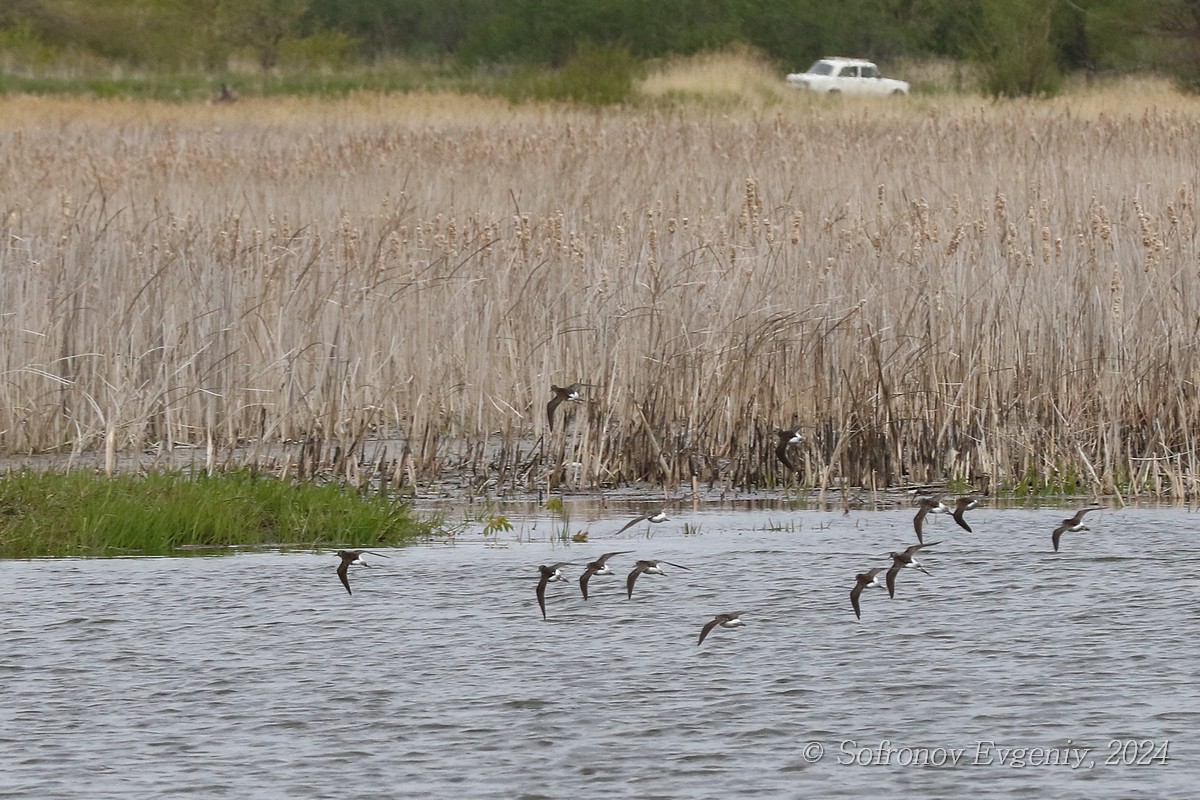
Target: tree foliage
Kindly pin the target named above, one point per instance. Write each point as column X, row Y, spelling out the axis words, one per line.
column 1021, row 45
column 1015, row 50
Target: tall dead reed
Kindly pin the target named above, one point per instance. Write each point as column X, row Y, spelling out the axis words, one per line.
column 936, row 290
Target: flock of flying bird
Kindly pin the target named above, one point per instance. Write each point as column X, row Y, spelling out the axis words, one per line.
column 932, row 504
column 552, row 573
column 926, row 505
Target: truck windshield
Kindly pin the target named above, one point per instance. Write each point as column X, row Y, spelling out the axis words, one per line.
column 821, row 68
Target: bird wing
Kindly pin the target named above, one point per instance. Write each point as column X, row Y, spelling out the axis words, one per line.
column 958, row 516
column 708, row 627
column 781, row 450
column 541, row 594
column 1078, row 518
column 341, row 571
column 854, row 593
column 1054, row 537
column 680, row 566
column 631, row 523
column 633, row 576
column 583, row 580
column 922, row 512
column 891, row 579
column 554, row 403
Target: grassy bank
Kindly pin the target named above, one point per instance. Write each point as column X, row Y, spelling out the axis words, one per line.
column 730, row 78
column 944, row 288
column 82, row 514
column 597, row 80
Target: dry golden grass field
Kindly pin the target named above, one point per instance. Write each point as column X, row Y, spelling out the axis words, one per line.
column 941, row 288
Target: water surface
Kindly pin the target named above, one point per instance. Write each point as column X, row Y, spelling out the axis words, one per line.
column 257, row 676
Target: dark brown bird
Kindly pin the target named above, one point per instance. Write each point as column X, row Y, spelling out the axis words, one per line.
column 1072, row 524
column 731, row 620
column 562, row 394
column 902, row 560
column 650, row 567
column 928, row 505
column 961, row 506
column 786, row 439
column 597, row 567
column 549, row 573
column 349, row 557
column 864, row 580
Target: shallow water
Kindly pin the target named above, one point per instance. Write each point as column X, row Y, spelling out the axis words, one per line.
column 256, row 675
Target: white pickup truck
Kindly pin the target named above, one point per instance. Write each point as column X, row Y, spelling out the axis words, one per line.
column 849, row 75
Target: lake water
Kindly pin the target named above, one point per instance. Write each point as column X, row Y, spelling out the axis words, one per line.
column 257, row 676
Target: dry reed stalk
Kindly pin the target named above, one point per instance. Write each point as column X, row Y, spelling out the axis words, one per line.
column 984, row 292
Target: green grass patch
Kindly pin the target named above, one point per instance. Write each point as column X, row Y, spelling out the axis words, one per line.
column 190, row 86
column 595, row 76
column 82, row 514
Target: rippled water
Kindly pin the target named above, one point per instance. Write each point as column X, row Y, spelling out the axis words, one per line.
column 256, row 675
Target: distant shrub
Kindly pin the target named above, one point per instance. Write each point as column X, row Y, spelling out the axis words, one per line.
column 1014, row 50
column 325, row 49
column 21, row 47
column 596, row 75
column 1010, row 74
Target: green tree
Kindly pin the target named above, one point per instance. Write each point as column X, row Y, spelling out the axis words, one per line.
column 1013, row 47
column 1100, row 35
column 419, row 28
column 261, row 26
column 1178, row 23
column 150, row 32
column 1021, row 45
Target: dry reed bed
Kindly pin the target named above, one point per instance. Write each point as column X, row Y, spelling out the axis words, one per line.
column 938, row 289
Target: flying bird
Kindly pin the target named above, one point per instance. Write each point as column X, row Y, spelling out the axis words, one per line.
column 902, row 560
column 864, row 580
column 786, row 439
column 658, row 516
column 548, row 574
column 724, row 620
column 650, row 567
column 597, row 567
column 562, row 394
column 928, row 505
column 348, row 558
column 1071, row 524
column 961, row 506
